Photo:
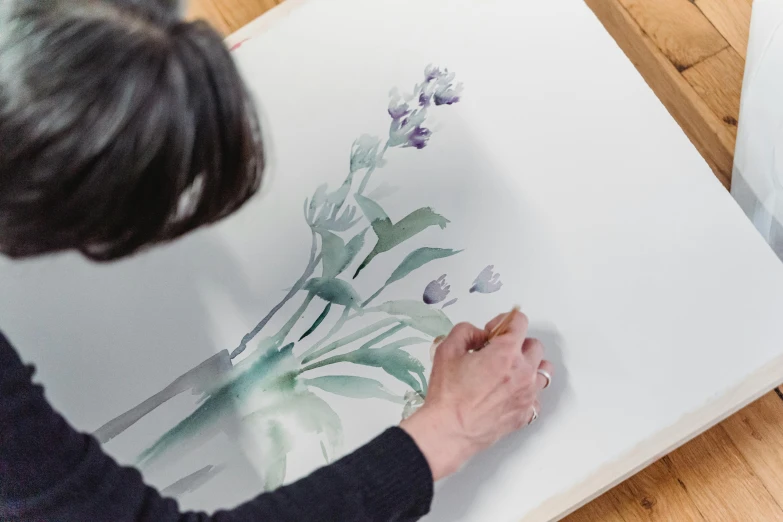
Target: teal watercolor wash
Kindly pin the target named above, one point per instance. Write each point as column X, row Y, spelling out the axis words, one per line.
column 341, row 223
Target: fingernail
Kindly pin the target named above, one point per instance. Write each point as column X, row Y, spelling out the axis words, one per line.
column 435, row 342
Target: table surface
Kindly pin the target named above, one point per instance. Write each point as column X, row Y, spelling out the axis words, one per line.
column 692, row 54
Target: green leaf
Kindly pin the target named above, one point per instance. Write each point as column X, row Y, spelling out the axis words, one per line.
column 354, row 387
column 335, row 291
column 269, row 370
column 336, row 254
column 315, row 352
column 275, row 442
column 291, row 410
column 318, row 199
column 396, row 362
column 318, row 321
column 352, row 248
column 314, row 415
column 417, row 259
column 333, row 250
column 392, row 234
column 372, row 210
column 418, row 315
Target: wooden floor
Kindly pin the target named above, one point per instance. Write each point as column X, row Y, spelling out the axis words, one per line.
column 692, row 54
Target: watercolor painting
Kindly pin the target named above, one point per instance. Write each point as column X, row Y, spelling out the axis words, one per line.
column 267, row 378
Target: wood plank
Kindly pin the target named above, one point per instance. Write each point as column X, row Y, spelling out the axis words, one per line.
column 757, row 431
column 601, row 509
column 718, row 81
column 704, row 129
column 720, row 481
column 655, row 495
column 228, row 16
column 678, row 28
column 731, row 18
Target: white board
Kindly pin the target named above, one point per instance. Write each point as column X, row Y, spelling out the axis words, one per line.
column 757, row 180
column 654, row 295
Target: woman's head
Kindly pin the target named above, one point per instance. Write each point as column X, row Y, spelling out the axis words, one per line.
column 120, row 127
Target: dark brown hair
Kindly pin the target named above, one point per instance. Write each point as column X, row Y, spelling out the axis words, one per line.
column 120, row 127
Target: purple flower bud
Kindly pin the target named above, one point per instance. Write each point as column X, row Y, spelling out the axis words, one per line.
column 399, row 111
column 447, row 97
column 424, row 99
column 487, row 282
column 431, row 72
column 436, row 291
column 418, row 137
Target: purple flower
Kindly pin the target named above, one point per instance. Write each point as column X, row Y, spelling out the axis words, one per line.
column 447, row 97
column 431, row 72
column 487, row 281
column 418, row 137
column 437, row 290
column 424, row 99
column 398, row 111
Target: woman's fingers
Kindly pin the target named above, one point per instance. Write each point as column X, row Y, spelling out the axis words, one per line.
column 544, row 374
column 462, row 338
column 533, row 351
column 516, row 328
column 535, row 411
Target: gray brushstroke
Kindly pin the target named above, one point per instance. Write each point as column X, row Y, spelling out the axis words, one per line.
column 436, row 291
column 196, row 379
column 487, row 281
column 314, row 260
column 449, row 303
column 192, row 482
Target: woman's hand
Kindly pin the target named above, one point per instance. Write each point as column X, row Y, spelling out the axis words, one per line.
column 475, row 398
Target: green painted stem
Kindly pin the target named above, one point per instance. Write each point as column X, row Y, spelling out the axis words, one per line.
column 349, row 339
column 388, row 333
column 373, row 296
column 337, row 326
column 314, row 260
column 325, row 362
column 286, row 329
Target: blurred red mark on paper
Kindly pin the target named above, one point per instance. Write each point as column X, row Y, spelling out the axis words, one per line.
column 238, row 44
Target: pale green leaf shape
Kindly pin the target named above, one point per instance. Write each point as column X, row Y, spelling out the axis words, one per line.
column 337, row 255
column 364, row 152
column 302, row 412
column 393, row 360
column 372, row 210
column 417, row 259
column 318, row 199
column 335, row 291
column 431, row 321
column 273, row 370
column 277, row 446
column 354, row 387
column 392, row 234
column 412, row 261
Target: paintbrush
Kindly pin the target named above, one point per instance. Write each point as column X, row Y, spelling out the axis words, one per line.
column 499, row 329
column 415, row 401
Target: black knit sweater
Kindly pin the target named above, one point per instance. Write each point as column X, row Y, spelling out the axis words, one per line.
column 50, row 472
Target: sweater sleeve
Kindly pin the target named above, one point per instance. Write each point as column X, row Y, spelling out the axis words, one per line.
column 50, row 472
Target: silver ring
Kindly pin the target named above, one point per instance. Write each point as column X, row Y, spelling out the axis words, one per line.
column 534, row 418
column 546, row 376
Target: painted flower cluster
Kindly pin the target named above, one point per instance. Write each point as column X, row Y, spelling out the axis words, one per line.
column 348, row 230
